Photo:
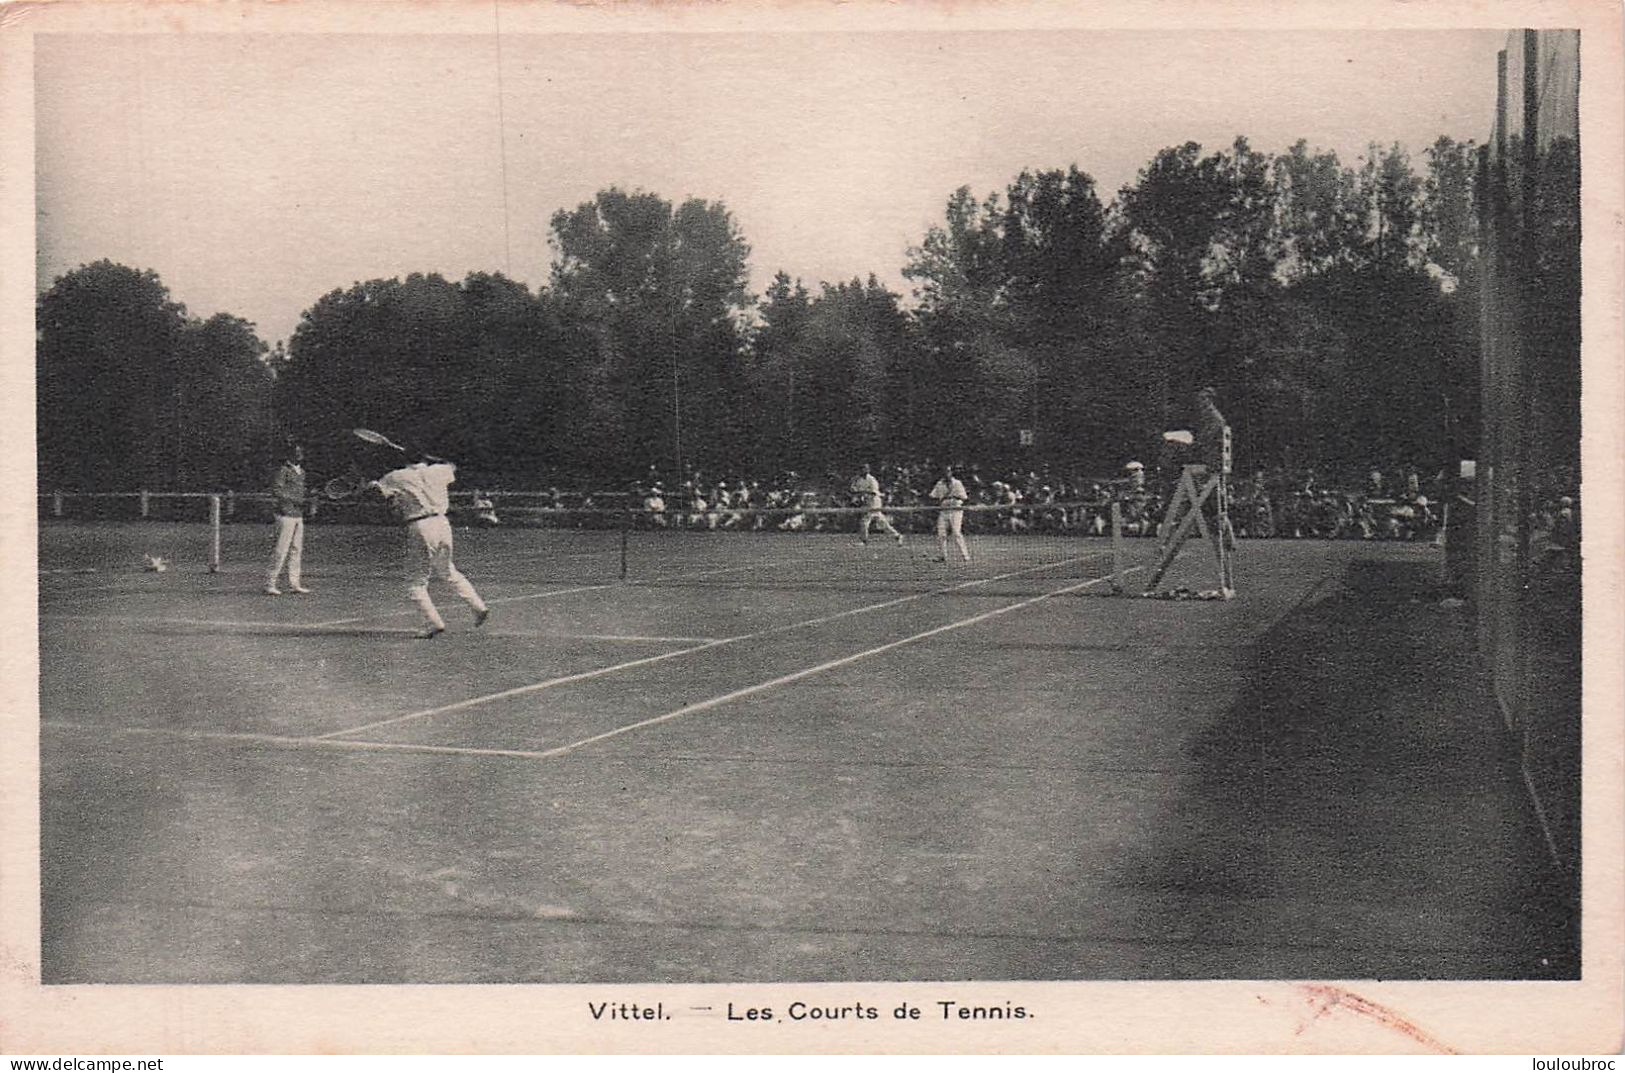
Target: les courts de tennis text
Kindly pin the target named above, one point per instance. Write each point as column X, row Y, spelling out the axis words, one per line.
column 942, row 1009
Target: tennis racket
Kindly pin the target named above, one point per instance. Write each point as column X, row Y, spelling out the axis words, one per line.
column 378, row 438
column 345, row 487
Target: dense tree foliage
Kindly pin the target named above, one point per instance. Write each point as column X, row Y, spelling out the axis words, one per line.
column 134, row 394
column 657, row 298
column 468, row 368
column 1332, row 305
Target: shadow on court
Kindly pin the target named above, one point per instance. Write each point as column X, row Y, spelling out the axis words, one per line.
column 1358, row 810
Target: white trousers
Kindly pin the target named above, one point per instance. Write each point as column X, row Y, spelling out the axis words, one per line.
column 290, row 550
column 428, row 554
column 949, row 521
column 875, row 517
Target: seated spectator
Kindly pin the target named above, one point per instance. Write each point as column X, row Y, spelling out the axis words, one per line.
column 654, row 507
column 1565, row 533
column 1012, row 519
column 722, row 501
column 796, row 521
column 696, row 505
column 1365, row 521
column 737, row 500
column 483, row 510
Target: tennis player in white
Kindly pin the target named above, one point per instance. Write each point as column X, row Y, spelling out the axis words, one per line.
column 866, row 489
column 949, row 492
column 418, row 493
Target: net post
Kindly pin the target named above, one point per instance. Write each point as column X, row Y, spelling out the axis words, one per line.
column 214, row 534
column 1226, row 531
column 56, row 504
column 626, row 530
column 146, row 502
column 1117, row 546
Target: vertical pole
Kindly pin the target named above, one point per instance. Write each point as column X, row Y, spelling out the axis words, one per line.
column 1490, row 471
column 1528, row 437
column 214, row 534
column 676, row 418
column 56, row 504
column 1528, row 164
column 231, row 504
column 1226, row 530
column 626, row 530
column 145, row 502
column 1117, row 546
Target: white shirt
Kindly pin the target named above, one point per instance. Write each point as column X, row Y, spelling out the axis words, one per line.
column 868, row 487
column 419, row 490
column 950, row 492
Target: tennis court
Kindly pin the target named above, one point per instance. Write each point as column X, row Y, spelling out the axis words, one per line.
column 768, row 756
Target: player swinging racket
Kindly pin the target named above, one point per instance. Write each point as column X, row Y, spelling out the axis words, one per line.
column 866, row 489
column 949, row 492
column 418, row 493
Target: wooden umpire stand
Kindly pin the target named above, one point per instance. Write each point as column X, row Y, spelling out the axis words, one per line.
column 1197, row 485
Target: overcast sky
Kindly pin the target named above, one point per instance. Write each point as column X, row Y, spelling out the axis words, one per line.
column 255, row 173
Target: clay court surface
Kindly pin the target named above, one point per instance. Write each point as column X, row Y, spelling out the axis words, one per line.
column 770, row 757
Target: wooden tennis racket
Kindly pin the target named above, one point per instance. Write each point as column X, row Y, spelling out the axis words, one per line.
column 378, row 438
column 345, row 487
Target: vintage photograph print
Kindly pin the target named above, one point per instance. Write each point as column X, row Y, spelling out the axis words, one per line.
column 594, row 498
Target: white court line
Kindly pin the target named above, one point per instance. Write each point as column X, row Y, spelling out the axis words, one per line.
column 277, row 739
column 320, row 627
column 553, row 683
column 71, row 591
column 830, row 665
column 327, row 741
column 228, row 623
column 625, row 637
column 527, row 556
column 501, row 600
column 534, row 687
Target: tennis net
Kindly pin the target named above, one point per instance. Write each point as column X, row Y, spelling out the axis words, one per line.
column 1010, row 547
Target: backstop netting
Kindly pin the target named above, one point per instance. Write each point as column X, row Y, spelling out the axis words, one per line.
column 1527, row 579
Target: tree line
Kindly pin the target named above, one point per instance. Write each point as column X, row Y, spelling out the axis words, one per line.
column 1333, row 306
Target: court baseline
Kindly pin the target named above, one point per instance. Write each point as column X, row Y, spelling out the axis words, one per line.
column 335, row 627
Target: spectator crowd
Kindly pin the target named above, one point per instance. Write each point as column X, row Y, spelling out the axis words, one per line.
column 1393, row 504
